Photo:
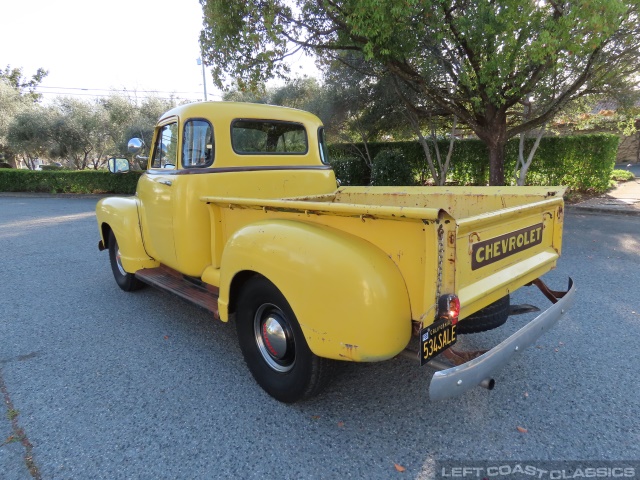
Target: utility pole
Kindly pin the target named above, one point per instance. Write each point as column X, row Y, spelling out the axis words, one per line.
column 204, row 78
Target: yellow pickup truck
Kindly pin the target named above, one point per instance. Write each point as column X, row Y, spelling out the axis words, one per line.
column 239, row 212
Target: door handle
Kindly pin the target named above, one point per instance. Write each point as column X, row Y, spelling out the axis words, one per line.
column 165, row 182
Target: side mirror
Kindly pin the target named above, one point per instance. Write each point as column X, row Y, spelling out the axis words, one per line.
column 118, row 165
column 135, row 145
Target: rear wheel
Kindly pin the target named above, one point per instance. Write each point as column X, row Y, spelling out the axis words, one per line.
column 126, row 281
column 490, row 317
column 274, row 346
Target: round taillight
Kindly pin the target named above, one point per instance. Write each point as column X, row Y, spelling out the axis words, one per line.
column 454, row 307
column 449, row 307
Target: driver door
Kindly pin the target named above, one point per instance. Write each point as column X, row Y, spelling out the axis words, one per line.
column 157, row 197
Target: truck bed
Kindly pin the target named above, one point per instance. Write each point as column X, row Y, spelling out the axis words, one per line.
column 480, row 243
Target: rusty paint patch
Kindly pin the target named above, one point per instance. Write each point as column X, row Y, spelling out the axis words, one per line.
column 416, row 327
column 312, row 330
column 452, row 239
column 350, row 351
column 472, row 240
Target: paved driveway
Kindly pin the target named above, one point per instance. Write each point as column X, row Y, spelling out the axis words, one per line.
column 111, row 385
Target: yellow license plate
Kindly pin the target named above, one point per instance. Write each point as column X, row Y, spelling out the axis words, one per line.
column 436, row 338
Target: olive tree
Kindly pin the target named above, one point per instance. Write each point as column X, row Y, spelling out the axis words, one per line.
column 29, row 134
column 17, row 94
column 80, row 133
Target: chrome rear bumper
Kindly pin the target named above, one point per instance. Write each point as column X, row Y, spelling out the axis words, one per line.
column 454, row 381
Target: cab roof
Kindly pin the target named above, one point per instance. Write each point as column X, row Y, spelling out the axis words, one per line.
column 232, row 110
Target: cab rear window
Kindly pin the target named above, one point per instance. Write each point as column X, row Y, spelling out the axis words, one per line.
column 268, row 137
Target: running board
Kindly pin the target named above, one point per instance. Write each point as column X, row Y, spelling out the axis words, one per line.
column 165, row 278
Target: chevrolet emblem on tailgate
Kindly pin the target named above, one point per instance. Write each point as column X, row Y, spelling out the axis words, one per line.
column 495, row 249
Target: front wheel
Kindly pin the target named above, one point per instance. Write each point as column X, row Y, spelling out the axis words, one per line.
column 126, row 281
column 274, row 346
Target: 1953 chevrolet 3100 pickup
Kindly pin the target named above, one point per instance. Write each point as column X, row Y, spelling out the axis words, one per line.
column 239, row 212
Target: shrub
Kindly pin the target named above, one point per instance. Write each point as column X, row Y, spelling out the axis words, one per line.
column 622, row 175
column 5, row 165
column 582, row 162
column 391, row 168
column 351, row 171
column 349, row 167
column 65, row 181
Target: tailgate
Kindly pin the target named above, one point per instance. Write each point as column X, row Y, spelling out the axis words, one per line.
column 499, row 252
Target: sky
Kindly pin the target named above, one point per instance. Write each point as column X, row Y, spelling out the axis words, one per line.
column 90, row 48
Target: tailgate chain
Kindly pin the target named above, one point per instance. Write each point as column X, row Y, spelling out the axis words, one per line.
column 440, row 261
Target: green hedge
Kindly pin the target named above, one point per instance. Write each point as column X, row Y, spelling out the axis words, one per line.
column 391, row 168
column 582, row 162
column 67, row 181
column 349, row 168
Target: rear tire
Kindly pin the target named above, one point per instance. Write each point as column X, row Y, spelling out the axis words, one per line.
column 126, row 281
column 274, row 346
column 490, row 317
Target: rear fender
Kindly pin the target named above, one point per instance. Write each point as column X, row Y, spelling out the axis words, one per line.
column 348, row 296
column 120, row 215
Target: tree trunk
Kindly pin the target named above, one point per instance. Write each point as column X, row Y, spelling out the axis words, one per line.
column 496, row 164
column 12, row 160
column 494, row 135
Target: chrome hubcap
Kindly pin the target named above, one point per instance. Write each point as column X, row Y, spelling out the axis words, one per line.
column 274, row 338
column 119, row 263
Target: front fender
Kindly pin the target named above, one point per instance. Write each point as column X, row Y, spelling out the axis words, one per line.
column 120, row 214
column 349, row 297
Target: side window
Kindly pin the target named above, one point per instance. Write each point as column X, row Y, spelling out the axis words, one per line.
column 197, row 144
column 268, row 136
column 165, row 153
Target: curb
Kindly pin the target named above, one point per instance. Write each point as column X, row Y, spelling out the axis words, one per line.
column 629, row 211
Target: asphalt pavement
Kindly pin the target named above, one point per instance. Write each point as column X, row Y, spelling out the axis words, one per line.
column 98, row 383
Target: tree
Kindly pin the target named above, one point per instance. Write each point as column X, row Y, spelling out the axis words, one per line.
column 30, row 134
column 11, row 103
column 80, row 133
column 16, row 95
column 522, row 164
column 257, row 95
column 13, row 76
column 121, row 114
column 476, row 60
column 304, row 93
column 362, row 102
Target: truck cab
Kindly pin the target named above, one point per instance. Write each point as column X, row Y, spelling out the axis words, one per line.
column 223, row 149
